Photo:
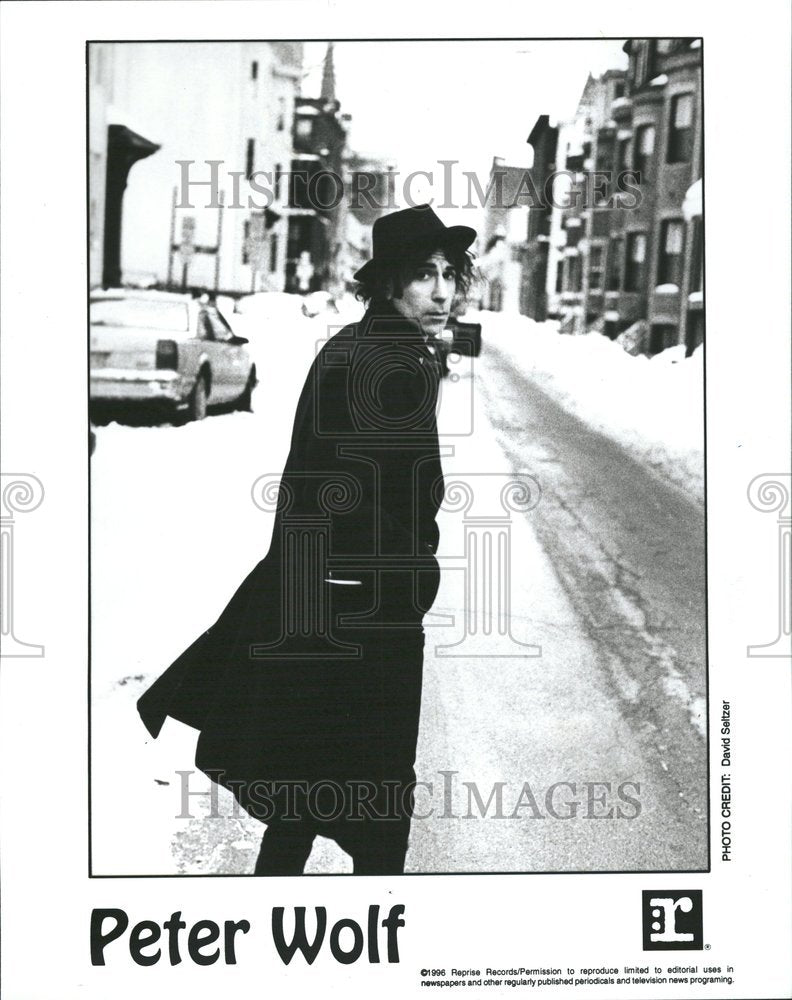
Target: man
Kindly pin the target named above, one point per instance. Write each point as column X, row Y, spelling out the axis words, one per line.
column 307, row 690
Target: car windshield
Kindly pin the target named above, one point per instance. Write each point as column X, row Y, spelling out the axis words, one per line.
column 145, row 313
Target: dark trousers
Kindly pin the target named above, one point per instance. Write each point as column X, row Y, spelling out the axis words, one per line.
column 364, row 725
column 286, row 845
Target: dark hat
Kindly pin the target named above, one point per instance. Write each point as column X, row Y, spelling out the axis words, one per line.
column 403, row 235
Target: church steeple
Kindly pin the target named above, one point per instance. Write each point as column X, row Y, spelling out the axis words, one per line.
column 328, row 76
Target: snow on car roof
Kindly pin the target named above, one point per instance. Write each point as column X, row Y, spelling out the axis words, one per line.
column 141, row 293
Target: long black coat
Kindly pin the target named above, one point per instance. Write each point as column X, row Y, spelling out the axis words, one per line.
column 284, row 687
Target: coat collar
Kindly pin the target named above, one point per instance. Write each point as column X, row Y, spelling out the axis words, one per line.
column 383, row 319
column 387, row 324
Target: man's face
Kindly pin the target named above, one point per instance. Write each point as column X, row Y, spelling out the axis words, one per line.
column 428, row 291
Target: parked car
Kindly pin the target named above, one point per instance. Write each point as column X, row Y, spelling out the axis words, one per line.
column 458, row 338
column 168, row 350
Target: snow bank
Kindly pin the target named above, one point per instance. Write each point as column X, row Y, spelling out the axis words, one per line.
column 653, row 407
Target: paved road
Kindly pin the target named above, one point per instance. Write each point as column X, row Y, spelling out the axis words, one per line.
column 629, row 549
column 609, row 580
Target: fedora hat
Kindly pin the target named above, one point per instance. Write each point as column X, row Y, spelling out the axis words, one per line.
column 403, row 235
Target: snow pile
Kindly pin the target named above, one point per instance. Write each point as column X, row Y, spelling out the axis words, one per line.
column 653, row 407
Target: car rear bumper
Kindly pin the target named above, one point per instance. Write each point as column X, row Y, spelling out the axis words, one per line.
column 114, row 384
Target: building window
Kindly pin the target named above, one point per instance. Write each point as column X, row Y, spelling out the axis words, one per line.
column 623, row 154
column 680, row 132
column 618, row 89
column 697, row 273
column 278, row 176
column 669, row 263
column 603, row 186
column 635, row 270
column 246, row 241
column 596, row 260
column 281, row 114
column 644, row 150
column 615, row 264
column 250, row 158
column 254, row 70
column 559, row 279
column 574, row 274
column 273, row 261
column 641, row 64
column 605, row 151
column 574, row 231
column 662, row 336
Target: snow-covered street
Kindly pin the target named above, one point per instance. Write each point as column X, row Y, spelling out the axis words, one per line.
column 576, row 741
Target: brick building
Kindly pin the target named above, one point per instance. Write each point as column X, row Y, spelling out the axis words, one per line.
column 576, row 279
column 543, row 139
column 634, row 263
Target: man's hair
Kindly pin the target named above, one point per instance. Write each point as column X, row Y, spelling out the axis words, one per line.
column 388, row 278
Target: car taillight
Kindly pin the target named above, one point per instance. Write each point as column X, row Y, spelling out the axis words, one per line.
column 167, row 354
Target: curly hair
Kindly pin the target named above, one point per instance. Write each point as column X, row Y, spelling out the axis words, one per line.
column 388, row 277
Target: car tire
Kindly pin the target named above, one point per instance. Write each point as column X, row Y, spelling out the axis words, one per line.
column 196, row 405
column 245, row 401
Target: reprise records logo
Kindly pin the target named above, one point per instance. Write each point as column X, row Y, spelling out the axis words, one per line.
column 672, row 920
